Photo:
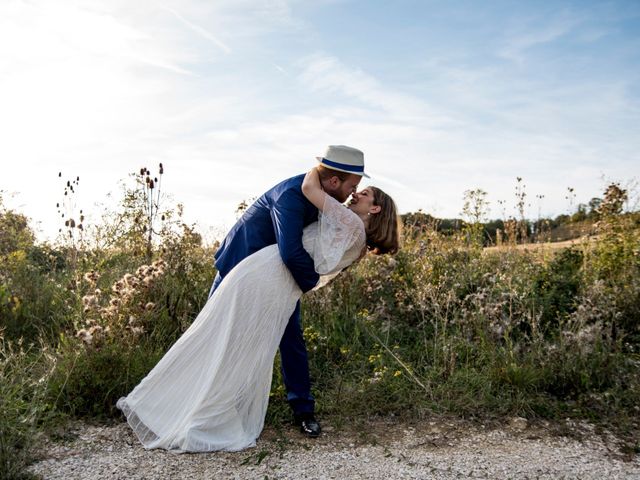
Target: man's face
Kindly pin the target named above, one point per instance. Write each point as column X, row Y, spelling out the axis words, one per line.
column 340, row 190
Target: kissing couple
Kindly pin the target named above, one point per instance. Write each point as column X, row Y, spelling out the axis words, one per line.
column 210, row 391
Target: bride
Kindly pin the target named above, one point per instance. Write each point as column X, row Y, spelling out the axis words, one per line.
column 211, row 389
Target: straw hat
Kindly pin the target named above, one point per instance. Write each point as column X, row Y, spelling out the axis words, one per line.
column 344, row 159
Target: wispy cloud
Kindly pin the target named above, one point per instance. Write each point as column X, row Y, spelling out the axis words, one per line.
column 200, row 31
column 532, row 32
column 327, row 73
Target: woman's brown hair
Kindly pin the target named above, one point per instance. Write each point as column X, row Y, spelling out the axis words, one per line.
column 383, row 231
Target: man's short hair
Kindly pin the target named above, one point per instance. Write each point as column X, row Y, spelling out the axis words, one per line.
column 326, row 173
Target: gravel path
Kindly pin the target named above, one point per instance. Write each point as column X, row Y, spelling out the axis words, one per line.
column 442, row 449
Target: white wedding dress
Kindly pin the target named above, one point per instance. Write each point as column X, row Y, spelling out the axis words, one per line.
column 211, row 389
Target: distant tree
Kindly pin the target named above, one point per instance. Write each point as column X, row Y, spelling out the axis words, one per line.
column 594, row 205
column 581, row 213
column 416, row 222
column 491, row 228
column 15, row 232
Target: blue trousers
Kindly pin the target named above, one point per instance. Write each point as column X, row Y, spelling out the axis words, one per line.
column 294, row 361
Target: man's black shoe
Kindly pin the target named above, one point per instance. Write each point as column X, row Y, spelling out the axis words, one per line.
column 308, row 424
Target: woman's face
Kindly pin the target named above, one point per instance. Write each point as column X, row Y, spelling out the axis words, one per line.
column 362, row 202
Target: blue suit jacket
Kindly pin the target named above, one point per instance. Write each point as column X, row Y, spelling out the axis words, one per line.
column 278, row 216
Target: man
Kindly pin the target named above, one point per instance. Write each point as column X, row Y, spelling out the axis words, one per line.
column 279, row 216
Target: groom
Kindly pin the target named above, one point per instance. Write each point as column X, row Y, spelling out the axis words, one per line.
column 279, row 216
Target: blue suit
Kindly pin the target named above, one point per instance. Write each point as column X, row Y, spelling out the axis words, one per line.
column 279, row 216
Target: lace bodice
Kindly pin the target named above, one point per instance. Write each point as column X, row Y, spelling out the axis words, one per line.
column 335, row 241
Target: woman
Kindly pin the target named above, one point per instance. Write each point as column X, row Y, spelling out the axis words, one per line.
column 211, row 389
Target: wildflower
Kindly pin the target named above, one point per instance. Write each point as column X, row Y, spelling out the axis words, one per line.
column 378, row 374
column 142, row 271
column 87, row 299
column 118, row 286
column 85, row 336
column 137, row 330
column 96, row 330
column 397, row 373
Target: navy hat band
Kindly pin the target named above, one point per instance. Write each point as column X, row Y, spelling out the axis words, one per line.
column 343, row 166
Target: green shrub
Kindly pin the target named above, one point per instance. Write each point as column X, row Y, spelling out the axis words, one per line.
column 87, row 382
column 558, row 286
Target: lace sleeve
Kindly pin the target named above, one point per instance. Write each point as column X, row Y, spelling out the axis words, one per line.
column 339, row 230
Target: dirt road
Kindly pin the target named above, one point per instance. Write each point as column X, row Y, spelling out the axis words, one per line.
column 382, row 449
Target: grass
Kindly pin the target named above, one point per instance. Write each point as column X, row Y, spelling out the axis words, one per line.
column 444, row 327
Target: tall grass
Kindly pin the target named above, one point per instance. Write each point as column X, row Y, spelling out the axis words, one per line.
column 24, row 374
column 443, row 327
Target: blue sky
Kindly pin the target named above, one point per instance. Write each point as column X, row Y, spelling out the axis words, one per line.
column 235, row 95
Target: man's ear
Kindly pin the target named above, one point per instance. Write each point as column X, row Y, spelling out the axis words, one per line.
column 334, row 182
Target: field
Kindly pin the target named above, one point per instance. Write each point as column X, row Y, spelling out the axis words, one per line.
column 444, row 327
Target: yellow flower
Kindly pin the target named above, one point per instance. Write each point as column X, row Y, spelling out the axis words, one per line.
column 397, row 373
column 374, row 358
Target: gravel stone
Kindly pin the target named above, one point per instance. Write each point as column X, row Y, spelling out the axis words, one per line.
column 441, row 449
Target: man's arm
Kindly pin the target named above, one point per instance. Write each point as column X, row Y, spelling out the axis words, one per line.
column 287, row 215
